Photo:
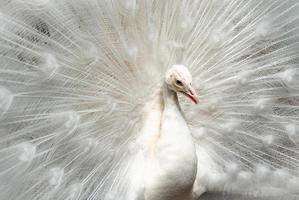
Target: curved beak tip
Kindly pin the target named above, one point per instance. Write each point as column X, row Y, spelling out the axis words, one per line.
column 192, row 95
column 195, row 99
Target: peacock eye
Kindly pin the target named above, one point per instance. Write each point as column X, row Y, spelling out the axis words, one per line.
column 178, row 82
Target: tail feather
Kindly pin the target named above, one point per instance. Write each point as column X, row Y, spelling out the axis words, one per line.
column 75, row 76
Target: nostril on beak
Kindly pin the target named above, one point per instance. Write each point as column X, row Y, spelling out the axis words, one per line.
column 191, row 92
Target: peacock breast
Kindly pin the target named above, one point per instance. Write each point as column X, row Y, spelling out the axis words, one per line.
column 173, row 169
column 175, row 149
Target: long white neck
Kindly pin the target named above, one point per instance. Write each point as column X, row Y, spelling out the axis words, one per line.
column 162, row 99
column 170, row 151
column 170, row 98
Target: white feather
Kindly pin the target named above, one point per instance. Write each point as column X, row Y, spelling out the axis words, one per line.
column 77, row 78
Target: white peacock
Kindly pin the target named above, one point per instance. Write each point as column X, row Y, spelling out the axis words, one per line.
column 93, row 107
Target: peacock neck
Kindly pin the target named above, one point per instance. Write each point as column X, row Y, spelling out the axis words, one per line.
column 170, row 97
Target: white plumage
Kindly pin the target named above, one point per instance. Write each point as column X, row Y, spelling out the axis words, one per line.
column 89, row 111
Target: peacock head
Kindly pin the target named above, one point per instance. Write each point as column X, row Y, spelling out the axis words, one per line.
column 179, row 79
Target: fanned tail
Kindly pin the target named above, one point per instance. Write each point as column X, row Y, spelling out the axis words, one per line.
column 246, row 66
column 75, row 76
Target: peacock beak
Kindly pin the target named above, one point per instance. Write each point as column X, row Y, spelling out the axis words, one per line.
column 191, row 93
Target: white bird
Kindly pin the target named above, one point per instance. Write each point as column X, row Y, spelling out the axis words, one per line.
column 168, row 146
column 93, row 107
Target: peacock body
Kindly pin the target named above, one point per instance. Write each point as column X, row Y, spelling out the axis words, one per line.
column 85, row 113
